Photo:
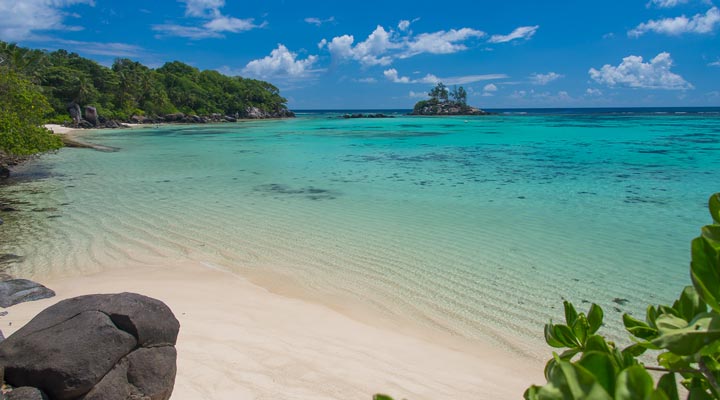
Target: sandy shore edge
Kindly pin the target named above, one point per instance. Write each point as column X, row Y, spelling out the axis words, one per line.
column 240, row 341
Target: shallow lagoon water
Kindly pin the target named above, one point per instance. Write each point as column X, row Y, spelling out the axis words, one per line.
column 477, row 227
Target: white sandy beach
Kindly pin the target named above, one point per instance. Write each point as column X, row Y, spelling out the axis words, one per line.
column 239, row 341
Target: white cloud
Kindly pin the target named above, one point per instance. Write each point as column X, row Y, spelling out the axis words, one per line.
column 216, row 23
column 699, row 23
column 441, row 42
column 715, row 63
column 403, row 25
column 367, row 80
column 634, row 73
column 369, row 52
column 20, row 20
column 523, row 32
column 544, row 79
column 317, row 21
column 393, row 76
column 666, row 3
column 593, row 92
column 490, row 87
column 280, row 63
column 417, row 95
column 102, row 49
column 382, row 46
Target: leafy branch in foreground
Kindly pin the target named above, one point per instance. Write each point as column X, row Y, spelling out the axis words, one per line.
column 686, row 337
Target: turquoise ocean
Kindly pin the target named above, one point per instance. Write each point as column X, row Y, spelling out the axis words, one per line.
column 473, row 227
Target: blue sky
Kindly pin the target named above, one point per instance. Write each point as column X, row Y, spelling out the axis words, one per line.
column 388, row 54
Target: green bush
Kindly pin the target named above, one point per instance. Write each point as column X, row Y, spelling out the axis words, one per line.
column 23, row 109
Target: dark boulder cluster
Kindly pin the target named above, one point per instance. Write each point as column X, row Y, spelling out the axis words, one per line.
column 91, row 119
column 450, row 108
column 378, row 115
column 95, row 347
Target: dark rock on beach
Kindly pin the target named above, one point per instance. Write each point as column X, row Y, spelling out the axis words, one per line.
column 91, row 115
column 432, row 108
column 110, row 346
column 15, row 291
column 26, row 393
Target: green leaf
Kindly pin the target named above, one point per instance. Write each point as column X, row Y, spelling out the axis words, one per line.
column 597, row 343
column 570, row 313
column 705, row 271
column 595, row 318
column 634, row 383
column 673, row 361
column 689, row 304
column 574, row 382
column 580, row 328
column 602, row 367
column 550, row 336
column 382, row 397
column 697, row 393
column 635, row 350
column 685, row 338
column 638, row 328
column 668, row 385
column 565, row 335
column 714, row 206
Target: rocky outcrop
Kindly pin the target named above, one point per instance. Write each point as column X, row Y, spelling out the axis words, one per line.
column 256, row 113
column 446, row 108
column 378, row 115
column 74, row 111
column 16, row 291
column 112, row 346
column 91, row 115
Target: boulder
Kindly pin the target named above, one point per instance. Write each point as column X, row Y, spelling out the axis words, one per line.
column 91, row 115
column 16, row 291
column 74, row 111
column 96, row 347
column 176, row 117
column 25, row 393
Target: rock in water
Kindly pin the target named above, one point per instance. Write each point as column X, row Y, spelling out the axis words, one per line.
column 96, row 347
column 16, row 291
column 91, row 115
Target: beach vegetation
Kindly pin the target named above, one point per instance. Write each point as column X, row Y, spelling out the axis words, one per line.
column 130, row 88
column 23, row 108
column 444, row 101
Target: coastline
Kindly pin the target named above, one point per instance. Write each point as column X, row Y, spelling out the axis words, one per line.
column 238, row 340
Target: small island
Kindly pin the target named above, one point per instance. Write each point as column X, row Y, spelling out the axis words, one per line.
column 446, row 102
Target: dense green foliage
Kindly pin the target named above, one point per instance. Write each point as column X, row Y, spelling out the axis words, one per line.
column 130, row 88
column 22, row 111
column 685, row 336
column 440, row 95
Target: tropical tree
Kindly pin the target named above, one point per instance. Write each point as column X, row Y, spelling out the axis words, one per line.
column 23, row 109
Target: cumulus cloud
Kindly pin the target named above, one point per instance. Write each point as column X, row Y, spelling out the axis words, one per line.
column 633, row 72
column 699, row 23
column 441, row 42
column 715, row 63
column 281, row 63
column 382, row 46
column 417, row 95
column 21, row 20
column 214, row 24
column 317, row 21
column 523, row 32
column 490, row 87
column 544, row 79
column 371, row 51
column 394, row 76
column 593, row 92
